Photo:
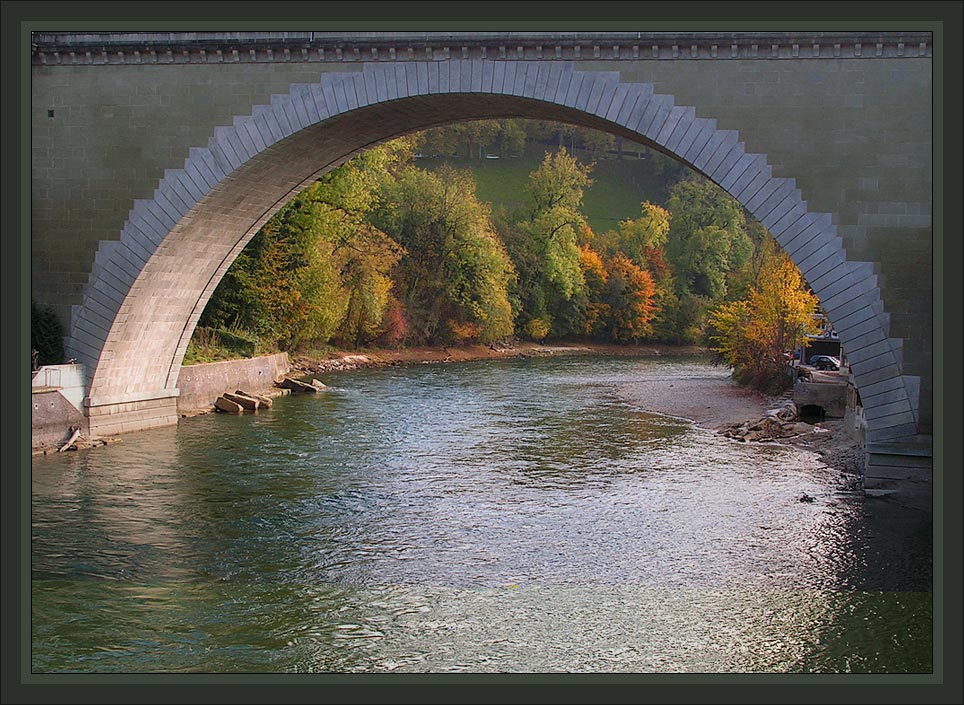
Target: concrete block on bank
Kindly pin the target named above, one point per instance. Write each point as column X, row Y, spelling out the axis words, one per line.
column 297, row 386
column 226, row 405
column 246, row 402
column 263, row 401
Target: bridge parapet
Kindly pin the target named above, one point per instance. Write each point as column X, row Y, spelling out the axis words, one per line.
column 118, row 48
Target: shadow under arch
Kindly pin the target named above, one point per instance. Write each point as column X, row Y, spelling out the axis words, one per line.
column 147, row 290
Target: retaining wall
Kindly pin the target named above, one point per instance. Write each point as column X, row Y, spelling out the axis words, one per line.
column 200, row 385
column 52, row 416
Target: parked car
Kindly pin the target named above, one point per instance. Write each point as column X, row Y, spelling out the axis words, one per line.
column 825, row 362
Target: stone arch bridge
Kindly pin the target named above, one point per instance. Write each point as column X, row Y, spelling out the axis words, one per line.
column 157, row 156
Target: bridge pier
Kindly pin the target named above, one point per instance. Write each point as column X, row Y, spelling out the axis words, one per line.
column 109, row 417
column 901, row 470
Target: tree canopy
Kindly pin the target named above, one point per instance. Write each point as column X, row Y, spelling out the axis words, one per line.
column 380, row 251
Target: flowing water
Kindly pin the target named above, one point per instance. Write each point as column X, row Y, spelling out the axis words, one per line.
column 513, row 516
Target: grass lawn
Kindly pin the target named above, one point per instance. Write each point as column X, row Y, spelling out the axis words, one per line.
column 618, row 188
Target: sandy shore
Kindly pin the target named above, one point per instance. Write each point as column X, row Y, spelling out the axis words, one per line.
column 716, row 402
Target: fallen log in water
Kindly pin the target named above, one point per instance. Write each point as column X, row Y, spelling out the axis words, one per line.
column 73, row 437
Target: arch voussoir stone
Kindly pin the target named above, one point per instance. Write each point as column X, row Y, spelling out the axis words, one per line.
column 696, row 139
column 153, row 283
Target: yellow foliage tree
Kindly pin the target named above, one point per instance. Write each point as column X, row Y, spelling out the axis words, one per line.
column 753, row 334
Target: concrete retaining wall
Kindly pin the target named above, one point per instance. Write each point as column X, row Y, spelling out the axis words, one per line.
column 829, row 396
column 52, row 415
column 70, row 381
column 200, row 385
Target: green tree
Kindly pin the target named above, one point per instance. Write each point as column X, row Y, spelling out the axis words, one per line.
column 512, row 138
column 439, row 141
column 707, row 244
column 708, row 238
column 455, row 275
column 546, row 246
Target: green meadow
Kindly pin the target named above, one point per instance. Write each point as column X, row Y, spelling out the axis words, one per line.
column 618, row 188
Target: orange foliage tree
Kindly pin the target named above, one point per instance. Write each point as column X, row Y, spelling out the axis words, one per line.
column 629, row 297
column 753, row 334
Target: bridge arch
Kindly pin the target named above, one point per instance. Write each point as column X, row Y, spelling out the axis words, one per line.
column 147, row 290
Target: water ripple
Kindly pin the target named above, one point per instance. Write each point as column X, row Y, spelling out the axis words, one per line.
column 513, row 516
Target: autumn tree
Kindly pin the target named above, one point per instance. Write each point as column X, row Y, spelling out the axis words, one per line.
column 314, row 261
column 455, row 275
column 753, row 334
column 365, row 263
column 629, row 298
column 595, row 275
column 643, row 240
column 278, row 286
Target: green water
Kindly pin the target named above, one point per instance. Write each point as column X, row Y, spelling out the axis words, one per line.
column 517, row 516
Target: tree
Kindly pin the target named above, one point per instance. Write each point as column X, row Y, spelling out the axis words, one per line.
column 545, row 246
column 643, row 240
column 280, row 284
column 708, row 236
column 595, row 275
column 365, row 264
column 315, row 259
column 559, row 182
column 454, row 278
column 46, row 335
column 512, row 138
column 439, row 141
column 754, row 334
column 628, row 295
column 707, row 244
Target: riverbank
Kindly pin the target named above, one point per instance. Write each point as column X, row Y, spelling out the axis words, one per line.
column 340, row 360
column 717, row 403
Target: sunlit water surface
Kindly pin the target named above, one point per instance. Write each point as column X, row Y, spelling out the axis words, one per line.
column 517, row 516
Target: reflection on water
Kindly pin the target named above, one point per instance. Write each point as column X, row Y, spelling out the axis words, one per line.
column 512, row 517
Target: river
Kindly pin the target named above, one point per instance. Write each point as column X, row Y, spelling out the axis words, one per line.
column 508, row 516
